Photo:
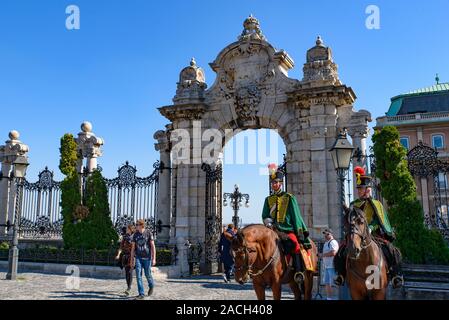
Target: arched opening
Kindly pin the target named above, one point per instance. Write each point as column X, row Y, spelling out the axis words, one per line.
column 245, row 163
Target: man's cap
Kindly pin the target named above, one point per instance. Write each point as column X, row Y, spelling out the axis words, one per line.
column 362, row 180
column 275, row 173
column 328, row 230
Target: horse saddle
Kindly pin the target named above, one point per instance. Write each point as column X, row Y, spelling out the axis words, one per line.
column 288, row 247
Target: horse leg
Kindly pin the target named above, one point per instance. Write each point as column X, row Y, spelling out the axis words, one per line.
column 295, row 289
column 380, row 294
column 276, row 287
column 357, row 293
column 308, row 285
column 260, row 291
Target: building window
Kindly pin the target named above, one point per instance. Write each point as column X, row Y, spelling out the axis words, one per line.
column 442, row 181
column 405, row 142
column 438, row 141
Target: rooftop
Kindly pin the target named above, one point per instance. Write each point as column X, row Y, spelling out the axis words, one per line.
column 429, row 99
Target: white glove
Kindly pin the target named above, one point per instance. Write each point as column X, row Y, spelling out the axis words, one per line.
column 268, row 222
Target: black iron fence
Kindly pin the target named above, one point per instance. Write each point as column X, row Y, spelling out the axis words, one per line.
column 431, row 171
column 164, row 256
column 130, row 198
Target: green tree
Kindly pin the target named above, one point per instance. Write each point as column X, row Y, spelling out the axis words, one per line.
column 70, row 190
column 98, row 232
column 417, row 243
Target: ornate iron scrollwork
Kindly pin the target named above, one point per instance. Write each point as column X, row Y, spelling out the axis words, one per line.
column 424, row 163
column 213, row 212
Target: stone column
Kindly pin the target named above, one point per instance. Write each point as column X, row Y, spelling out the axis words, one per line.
column 89, row 146
column 8, row 153
column 163, row 213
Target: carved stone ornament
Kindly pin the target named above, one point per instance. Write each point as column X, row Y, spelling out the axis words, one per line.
column 320, row 65
column 251, row 30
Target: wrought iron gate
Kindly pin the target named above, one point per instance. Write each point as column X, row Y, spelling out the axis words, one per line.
column 431, row 171
column 213, row 212
column 40, row 208
column 130, row 198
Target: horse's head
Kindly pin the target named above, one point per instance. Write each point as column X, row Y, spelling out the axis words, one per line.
column 357, row 231
column 241, row 257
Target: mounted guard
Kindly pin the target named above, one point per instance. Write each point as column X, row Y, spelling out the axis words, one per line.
column 281, row 213
column 379, row 227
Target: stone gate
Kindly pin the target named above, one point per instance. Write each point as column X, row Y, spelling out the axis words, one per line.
column 252, row 90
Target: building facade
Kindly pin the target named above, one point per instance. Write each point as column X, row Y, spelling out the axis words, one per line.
column 422, row 118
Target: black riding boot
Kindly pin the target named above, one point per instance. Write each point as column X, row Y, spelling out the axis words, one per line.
column 299, row 276
column 393, row 258
column 340, row 266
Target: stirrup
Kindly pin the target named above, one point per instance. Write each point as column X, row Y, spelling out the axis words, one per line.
column 299, row 277
column 397, row 282
column 339, row 280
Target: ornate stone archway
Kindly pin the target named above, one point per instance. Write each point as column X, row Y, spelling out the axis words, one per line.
column 252, row 90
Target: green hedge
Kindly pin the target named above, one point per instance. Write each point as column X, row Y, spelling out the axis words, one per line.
column 417, row 243
column 104, row 257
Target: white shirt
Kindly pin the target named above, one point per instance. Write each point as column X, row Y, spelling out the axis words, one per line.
column 329, row 246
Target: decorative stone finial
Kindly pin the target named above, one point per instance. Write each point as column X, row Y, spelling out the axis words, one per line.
column 191, row 85
column 14, row 135
column 86, row 126
column 320, row 65
column 437, row 79
column 251, row 30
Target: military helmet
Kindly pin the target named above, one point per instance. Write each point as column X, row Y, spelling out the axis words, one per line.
column 362, row 180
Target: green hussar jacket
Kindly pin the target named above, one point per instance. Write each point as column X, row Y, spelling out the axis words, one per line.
column 375, row 215
column 284, row 210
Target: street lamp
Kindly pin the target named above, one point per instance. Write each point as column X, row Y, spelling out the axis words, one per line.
column 341, row 153
column 236, row 199
column 18, row 174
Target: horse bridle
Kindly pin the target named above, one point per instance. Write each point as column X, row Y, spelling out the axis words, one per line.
column 250, row 271
column 355, row 230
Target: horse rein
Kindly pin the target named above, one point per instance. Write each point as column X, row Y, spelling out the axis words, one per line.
column 364, row 246
column 250, row 271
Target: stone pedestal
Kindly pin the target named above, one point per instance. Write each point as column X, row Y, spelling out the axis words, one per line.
column 8, row 154
column 89, row 147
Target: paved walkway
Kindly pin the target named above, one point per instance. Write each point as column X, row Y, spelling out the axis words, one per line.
column 37, row 286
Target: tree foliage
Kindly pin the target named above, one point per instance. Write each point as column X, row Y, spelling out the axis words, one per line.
column 417, row 243
column 87, row 222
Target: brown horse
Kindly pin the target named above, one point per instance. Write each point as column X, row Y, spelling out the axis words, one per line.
column 365, row 263
column 258, row 255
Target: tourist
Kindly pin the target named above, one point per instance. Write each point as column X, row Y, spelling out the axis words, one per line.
column 225, row 252
column 124, row 255
column 330, row 249
column 143, row 253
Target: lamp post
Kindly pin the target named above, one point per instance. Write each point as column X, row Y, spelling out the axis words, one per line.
column 236, row 199
column 341, row 153
column 18, row 174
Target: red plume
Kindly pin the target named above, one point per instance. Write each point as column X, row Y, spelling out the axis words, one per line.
column 359, row 170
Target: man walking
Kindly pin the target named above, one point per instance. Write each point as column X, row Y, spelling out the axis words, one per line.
column 144, row 251
column 225, row 252
column 330, row 249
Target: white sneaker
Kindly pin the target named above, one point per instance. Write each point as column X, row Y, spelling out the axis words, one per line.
column 225, row 279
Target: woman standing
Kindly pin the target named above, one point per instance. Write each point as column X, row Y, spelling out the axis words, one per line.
column 124, row 255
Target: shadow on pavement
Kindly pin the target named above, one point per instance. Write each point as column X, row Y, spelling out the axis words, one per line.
column 103, row 295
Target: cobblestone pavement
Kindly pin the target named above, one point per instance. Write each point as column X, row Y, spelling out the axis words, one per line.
column 37, row 286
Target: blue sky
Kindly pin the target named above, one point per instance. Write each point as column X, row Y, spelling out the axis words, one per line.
column 125, row 60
